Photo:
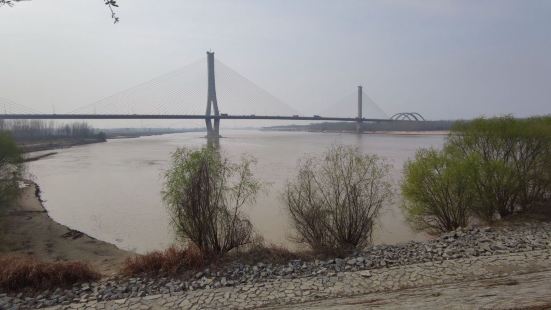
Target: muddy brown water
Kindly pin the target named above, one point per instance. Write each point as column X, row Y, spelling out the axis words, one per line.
column 112, row 190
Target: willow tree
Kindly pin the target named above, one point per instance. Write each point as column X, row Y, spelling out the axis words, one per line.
column 438, row 190
column 205, row 194
column 513, row 162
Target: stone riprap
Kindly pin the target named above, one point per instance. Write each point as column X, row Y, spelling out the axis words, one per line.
column 294, row 292
column 305, row 278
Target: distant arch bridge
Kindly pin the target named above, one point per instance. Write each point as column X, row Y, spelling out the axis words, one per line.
column 407, row 116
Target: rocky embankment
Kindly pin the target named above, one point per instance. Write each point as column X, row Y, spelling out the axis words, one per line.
column 463, row 243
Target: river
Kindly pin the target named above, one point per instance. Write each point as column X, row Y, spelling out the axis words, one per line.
column 112, row 190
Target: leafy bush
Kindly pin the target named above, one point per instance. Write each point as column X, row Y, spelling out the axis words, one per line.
column 25, row 272
column 169, row 261
column 10, row 168
column 334, row 200
column 205, row 194
column 495, row 167
column 437, row 190
column 512, row 159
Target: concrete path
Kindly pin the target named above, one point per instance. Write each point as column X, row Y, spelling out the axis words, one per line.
column 531, row 291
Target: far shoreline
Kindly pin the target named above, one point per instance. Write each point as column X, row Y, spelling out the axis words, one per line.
column 381, row 132
column 39, row 145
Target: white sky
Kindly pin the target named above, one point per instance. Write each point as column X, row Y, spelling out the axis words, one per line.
column 443, row 59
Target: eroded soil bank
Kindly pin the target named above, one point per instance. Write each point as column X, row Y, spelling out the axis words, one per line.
column 28, row 230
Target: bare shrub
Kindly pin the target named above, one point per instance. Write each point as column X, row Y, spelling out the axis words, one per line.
column 170, row 261
column 19, row 272
column 334, row 200
column 205, row 194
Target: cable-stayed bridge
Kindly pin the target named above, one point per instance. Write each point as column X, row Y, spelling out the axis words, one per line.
column 175, row 96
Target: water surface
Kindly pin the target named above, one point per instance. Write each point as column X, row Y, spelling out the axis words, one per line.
column 112, row 190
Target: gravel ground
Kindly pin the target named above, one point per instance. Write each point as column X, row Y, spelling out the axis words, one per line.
column 463, row 243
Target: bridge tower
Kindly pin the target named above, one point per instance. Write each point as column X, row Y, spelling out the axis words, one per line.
column 211, row 100
column 359, row 121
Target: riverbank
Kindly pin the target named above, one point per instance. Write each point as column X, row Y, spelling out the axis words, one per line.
column 28, row 146
column 29, row 230
column 472, row 254
column 46, row 144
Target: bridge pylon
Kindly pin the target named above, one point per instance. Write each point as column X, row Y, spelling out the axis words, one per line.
column 212, row 131
column 359, row 121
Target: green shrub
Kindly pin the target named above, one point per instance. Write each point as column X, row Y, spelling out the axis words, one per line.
column 494, row 167
column 512, row 159
column 11, row 168
column 437, row 190
column 205, row 194
column 334, row 200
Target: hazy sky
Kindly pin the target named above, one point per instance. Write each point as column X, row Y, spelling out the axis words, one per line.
column 443, row 59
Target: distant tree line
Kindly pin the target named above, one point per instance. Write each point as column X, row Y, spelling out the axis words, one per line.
column 408, row 126
column 39, row 129
column 372, row 126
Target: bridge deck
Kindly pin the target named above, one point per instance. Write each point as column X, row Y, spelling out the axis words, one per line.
column 183, row 116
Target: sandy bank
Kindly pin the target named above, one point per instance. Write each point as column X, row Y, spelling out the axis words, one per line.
column 27, row 229
column 59, row 143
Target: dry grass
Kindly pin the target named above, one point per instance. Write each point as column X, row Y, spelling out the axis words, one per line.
column 169, row 261
column 20, row 272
